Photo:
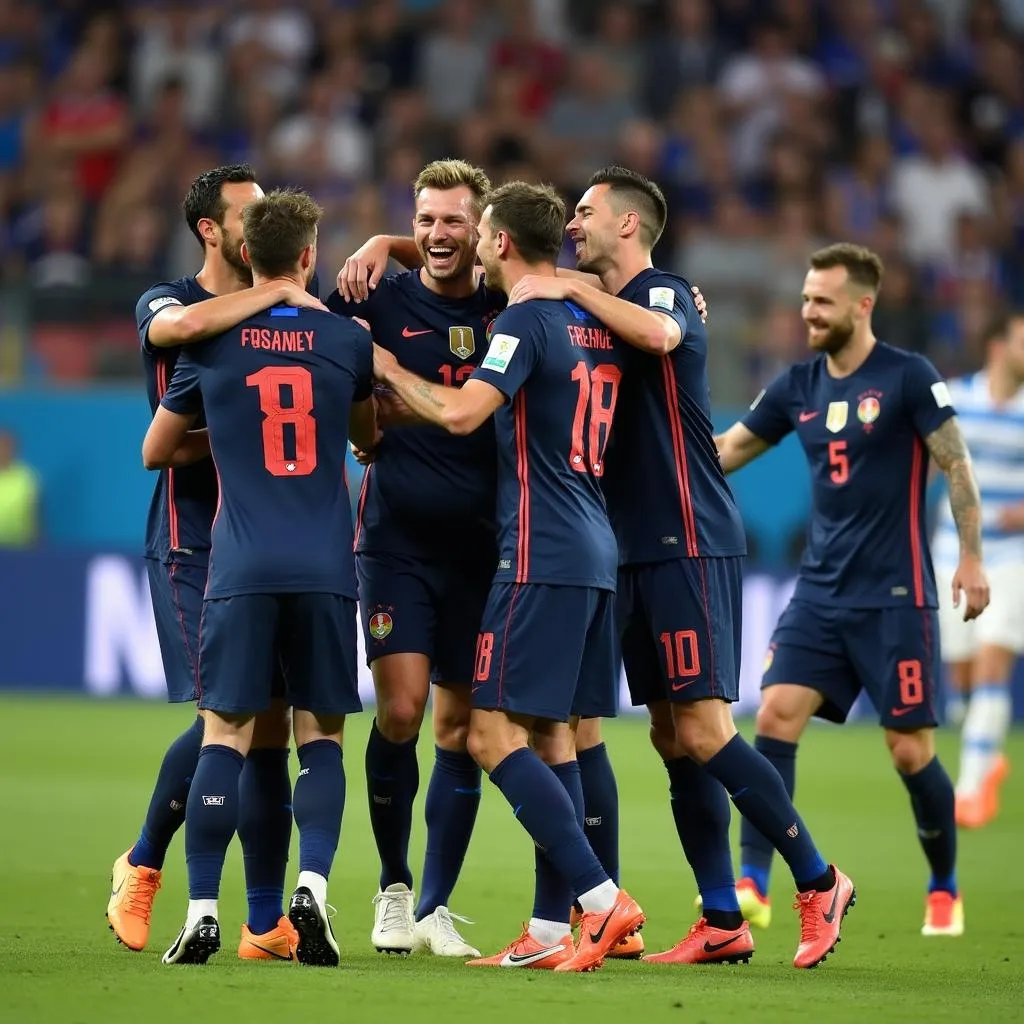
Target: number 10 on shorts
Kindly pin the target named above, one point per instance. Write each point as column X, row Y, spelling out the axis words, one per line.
column 682, row 658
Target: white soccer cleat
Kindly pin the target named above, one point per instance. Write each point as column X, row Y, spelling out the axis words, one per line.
column 393, row 920
column 437, row 934
column 195, row 945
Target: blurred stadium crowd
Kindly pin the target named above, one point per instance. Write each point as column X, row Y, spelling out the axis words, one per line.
column 773, row 125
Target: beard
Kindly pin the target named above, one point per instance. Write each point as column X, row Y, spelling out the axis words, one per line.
column 836, row 338
column 592, row 260
column 492, row 273
column 232, row 252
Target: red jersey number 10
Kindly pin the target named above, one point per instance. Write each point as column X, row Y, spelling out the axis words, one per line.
column 271, row 382
column 595, row 407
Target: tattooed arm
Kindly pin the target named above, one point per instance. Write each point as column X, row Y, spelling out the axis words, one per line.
column 458, row 410
column 949, row 451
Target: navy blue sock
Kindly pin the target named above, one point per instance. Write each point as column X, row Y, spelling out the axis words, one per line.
column 265, row 832
column 545, row 810
column 453, row 798
column 392, row 779
column 552, row 895
column 700, row 809
column 933, row 801
column 601, row 807
column 755, row 851
column 211, row 817
column 319, row 803
column 760, row 796
column 166, row 812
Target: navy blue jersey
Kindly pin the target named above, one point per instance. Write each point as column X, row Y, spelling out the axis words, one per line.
column 863, row 436
column 427, row 490
column 560, row 369
column 278, row 390
column 184, row 500
column 666, row 491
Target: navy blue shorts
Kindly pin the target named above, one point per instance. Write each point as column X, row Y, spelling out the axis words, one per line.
column 424, row 607
column 177, row 595
column 547, row 651
column 247, row 641
column 891, row 653
column 680, row 623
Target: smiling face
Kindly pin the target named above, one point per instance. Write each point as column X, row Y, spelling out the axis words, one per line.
column 444, row 228
column 594, row 230
column 831, row 308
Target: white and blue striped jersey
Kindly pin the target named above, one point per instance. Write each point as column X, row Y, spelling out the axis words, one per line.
column 995, row 438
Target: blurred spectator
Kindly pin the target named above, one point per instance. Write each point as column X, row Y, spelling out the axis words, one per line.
column 278, row 40
column 19, row 497
column 537, row 64
column 900, row 317
column 453, row 66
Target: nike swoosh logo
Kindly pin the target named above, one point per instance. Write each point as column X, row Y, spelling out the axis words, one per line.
column 114, row 892
column 676, row 687
column 276, row 956
column 714, row 947
column 406, row 333
column 805, row 416
column 897, row 712
column 523, row 959
column 831, row 915
column 604, row 924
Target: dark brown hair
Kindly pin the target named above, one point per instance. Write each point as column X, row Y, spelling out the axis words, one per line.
column 277, row 228
column 533, row 216
column 863, row 267
column 205, row 199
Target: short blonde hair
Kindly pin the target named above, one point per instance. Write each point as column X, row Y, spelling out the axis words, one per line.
column 451, row 173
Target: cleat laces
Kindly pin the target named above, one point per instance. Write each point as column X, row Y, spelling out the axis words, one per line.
column 449, row 932
column 807, row 904
column 140, row 895
column 394, row 915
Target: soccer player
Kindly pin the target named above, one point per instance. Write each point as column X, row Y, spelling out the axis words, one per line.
column 863, row 614
column 545, row 653
column 281, row 393
column 426, row 552
column 981, row 654
column 681, row 545
column 169, row 315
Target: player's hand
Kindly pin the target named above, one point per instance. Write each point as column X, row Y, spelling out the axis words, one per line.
column 383, row 363
column 971, row 581
column 363, row 458
column 392, row 410
column 364, row 269
column 296, row 296
column 533, row 286
column 700, row 302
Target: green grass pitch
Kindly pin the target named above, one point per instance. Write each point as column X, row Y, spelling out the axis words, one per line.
column 75, row 778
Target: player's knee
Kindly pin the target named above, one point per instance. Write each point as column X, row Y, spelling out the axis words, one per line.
column 451, row 731
column 663, row 734
column 779, row 720
column 273, row 728
column 911, row 751
column 588, row 733
column 399, row 717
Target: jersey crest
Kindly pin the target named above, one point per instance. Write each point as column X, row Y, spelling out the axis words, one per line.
column 461, row 341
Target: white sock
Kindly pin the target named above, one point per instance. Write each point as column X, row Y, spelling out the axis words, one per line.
column 198, row 909
column 956, row 709
column 984, row 733
column 548, row 933
column 316, row 884
column 599, row 899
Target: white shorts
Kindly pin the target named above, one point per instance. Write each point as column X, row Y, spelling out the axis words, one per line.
column 1001, row 624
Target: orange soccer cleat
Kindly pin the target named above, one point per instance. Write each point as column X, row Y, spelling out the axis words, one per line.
column 821, row 915
column 132, row 890
column 526, row 951
column 706, row 945
column 601, row 931
column 279, row 943
column 978, row 809
column 943, row 915
column 629, row 948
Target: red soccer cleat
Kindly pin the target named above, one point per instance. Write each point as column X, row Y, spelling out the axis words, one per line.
column 821, row 914
column 601, row 931
column 706, row 945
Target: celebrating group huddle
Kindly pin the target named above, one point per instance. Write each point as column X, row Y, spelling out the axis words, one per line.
column 543, row 491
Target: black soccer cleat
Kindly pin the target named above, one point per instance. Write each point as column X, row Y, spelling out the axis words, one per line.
column 195, row 945
column 317, row 946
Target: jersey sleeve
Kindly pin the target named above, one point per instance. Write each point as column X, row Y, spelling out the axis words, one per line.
column 769, row 416
column 516, row 348
column 927, row 396
column 663, row 293
column 337, row 304
column 168, row 293
column 183, row 395
column 363, row 348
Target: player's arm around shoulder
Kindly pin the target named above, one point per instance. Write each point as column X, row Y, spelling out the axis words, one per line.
column 175, row 323
column 655, row 330
column 170, row 441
